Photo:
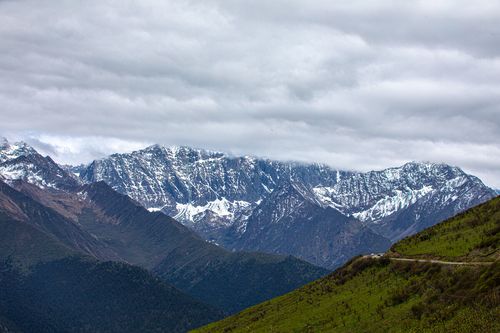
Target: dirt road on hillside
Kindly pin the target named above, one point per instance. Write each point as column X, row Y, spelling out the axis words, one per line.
column 473, row 263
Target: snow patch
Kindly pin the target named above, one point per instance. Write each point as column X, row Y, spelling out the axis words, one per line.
column 10, row 151
column 324, row 195
column 26, row 172
column 219, row 207
column 391, row 204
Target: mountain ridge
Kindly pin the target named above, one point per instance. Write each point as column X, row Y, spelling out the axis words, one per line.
column 216, row 194
column 51, row 286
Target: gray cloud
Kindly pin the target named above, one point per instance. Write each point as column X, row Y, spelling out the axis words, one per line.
column 357, row 85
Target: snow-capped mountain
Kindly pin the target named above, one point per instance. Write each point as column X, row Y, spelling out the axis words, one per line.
column 379, row 198
column 205, row 190
column 19, row 161
column 217, row 194
column 10, row 151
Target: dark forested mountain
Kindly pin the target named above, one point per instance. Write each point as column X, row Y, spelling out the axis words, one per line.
column 219, row 196
column 76, row 294
column 158, row 242
column 48, row 285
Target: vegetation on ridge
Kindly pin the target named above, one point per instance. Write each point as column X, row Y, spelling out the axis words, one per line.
column 76, row 294
column 386, row 295
column 470, row 236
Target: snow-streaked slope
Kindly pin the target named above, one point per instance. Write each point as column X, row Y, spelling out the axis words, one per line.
column 391, row 204
column 376, row 195
column 220, row 207
column 203, row 189
column 214, row 193
column 292, row 221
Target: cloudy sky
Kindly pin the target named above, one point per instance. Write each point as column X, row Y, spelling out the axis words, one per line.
column 355, row 84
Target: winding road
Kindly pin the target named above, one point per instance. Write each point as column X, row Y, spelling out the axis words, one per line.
column 473, row 263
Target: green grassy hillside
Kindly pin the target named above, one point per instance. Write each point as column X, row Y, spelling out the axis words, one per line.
column 386, row 295
column 470, row 236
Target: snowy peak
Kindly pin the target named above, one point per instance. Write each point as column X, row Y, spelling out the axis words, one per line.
column 10, row 151
column 183, row 153
column 159, row 176
column 377, row 194
column 19, row 161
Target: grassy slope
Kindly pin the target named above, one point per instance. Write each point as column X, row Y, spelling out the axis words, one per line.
column 470, row 236
column 378, row 295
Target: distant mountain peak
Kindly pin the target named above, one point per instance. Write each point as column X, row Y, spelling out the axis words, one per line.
column 9, row 151
column 20, row 161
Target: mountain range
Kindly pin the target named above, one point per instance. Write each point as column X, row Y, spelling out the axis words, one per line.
column 96, row 221
column 310, row 211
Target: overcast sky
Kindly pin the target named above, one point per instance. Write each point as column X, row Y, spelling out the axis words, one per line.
column 355, row 84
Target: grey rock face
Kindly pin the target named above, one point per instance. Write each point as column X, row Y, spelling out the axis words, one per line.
column 292, row 221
